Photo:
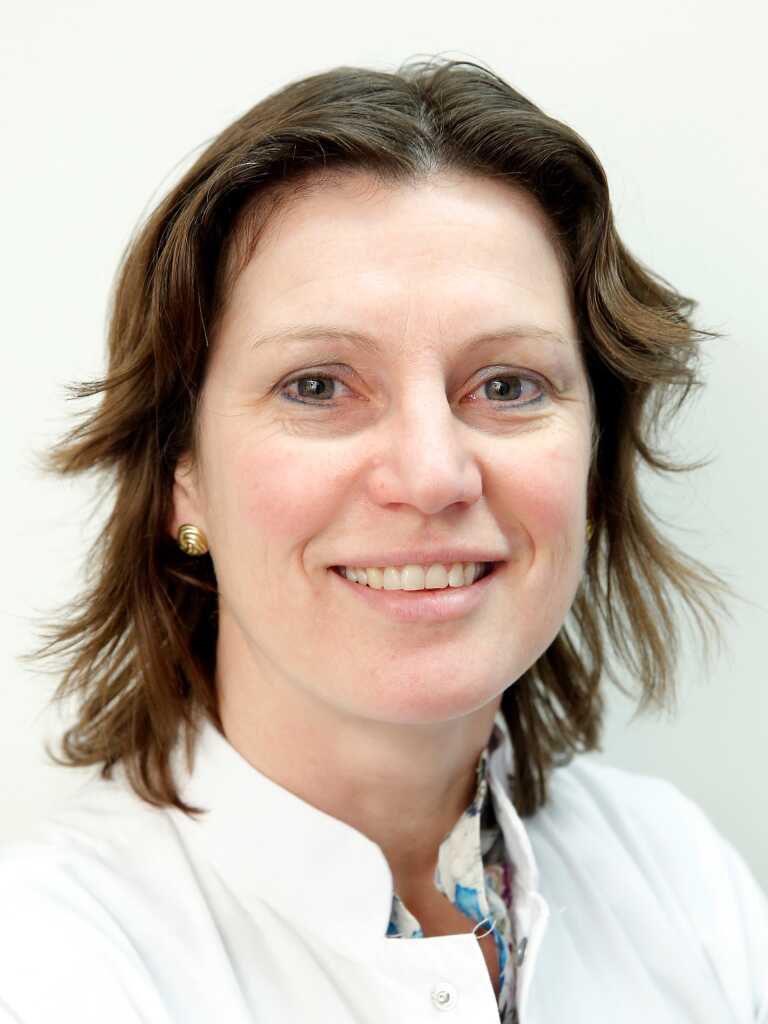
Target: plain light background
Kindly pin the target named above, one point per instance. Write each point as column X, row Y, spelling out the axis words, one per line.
column 105, row 104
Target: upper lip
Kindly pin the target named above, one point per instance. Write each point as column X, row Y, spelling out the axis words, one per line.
column 418, row 556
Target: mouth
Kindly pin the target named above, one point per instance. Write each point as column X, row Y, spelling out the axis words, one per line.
column 487, row 569
column 437, row 604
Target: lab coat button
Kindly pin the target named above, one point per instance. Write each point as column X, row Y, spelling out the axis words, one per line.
column 444, row 996
column 521, row 951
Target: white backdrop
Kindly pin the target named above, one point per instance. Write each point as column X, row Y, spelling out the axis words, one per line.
column 102, row 107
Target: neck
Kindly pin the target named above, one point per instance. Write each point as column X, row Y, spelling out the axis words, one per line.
column 403, row 785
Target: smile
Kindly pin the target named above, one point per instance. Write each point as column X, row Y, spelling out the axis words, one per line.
column 433, row 605
column 417, row 577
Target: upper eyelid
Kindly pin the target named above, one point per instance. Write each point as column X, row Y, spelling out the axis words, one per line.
column 500, row 371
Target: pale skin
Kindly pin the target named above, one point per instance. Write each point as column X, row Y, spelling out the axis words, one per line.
column 375, row 722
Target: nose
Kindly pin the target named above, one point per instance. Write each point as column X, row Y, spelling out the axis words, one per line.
column 424, row 457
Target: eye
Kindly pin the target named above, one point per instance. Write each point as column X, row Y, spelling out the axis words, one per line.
column 319, row 387
column 506, row 390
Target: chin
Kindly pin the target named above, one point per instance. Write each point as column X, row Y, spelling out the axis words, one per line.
column 422, row 701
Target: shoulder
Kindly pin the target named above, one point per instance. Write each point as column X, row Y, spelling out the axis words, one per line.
column 640, row 811
column 93, row 841
column 639, row 834
column 67, row 889
column 650, row 818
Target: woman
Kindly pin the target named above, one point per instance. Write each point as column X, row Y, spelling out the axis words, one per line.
column 381, row 377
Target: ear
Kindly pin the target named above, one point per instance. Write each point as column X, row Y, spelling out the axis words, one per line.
column 186, row 500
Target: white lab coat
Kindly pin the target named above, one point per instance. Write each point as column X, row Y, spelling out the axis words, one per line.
column 268, row 910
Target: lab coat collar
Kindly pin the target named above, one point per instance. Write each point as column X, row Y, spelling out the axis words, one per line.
column 272, row 847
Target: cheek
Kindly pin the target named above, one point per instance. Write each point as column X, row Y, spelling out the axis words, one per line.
column 284, row 494
column 545, row 490
column 267, row 503
column 545, row 501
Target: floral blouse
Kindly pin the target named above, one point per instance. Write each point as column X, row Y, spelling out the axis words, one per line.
column 474, row 872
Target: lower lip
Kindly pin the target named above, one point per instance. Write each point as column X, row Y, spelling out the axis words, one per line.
column 423, row 605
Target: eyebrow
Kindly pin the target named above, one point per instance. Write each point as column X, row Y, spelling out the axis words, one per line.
column 319, row 332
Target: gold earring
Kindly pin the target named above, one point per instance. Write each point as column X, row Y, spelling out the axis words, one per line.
column 192, row 540
column 590, row 530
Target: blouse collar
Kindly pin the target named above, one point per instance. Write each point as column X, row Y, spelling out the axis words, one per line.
column 263, row 839
column 460, row 869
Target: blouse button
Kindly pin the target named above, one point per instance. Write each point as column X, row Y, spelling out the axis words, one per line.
column 444, row 996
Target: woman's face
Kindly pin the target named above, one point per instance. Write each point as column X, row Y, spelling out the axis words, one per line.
column 462, row 420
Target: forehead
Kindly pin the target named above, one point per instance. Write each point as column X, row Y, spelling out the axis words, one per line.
column 404, row 255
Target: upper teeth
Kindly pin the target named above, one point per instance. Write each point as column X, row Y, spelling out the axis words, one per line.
column 415, row 577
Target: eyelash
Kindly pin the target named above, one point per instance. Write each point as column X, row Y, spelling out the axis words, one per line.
column 497, row 376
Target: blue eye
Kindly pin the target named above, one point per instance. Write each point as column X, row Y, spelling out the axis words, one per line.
column 509, row 388
column 507, row 393
column 320, row 389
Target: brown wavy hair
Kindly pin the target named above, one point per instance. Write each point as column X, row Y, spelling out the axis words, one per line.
column 138, row 644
